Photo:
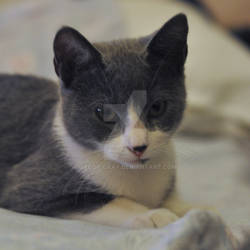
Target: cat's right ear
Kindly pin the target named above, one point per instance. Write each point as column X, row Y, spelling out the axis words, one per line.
column 73, row 53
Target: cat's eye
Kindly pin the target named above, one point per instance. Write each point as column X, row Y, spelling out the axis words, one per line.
column 106, row 114
column 157, row 109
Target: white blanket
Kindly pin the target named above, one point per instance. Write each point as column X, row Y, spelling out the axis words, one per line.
column 197, row 230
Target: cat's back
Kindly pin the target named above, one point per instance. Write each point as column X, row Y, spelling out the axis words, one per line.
column 25, row 105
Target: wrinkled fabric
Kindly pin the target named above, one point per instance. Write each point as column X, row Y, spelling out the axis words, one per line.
column 197, row 230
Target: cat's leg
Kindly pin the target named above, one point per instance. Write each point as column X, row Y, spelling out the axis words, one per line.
column 176, row 205
column 180, row 207
column 126, row 213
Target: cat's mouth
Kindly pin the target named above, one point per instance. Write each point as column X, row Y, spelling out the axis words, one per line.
column 138, row 161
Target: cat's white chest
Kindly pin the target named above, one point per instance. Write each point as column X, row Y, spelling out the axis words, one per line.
column 146, row 186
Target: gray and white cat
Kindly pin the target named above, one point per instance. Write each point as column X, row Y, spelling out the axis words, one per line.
column 98, row 147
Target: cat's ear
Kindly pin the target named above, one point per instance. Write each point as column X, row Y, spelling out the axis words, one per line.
column 168, row 46
column 73, row 53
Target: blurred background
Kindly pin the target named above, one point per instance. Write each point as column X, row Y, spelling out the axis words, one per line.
column 213, row 144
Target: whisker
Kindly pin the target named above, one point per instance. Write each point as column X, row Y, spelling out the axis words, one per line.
column 78, row 191
column 68, row 181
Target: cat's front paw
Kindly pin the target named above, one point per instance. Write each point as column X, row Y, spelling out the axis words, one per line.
column 162, row 217
column 154, row 218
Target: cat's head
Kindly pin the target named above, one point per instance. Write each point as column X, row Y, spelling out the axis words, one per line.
column 124, row 98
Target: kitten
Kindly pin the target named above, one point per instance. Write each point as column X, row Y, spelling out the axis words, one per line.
column 98, row 147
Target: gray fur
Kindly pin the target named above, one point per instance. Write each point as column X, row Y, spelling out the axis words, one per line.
column 34, row 175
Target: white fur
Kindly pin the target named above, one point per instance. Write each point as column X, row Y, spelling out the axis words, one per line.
column 126, row 213
column 116, row 213
column 135, row 133
column 113, row 169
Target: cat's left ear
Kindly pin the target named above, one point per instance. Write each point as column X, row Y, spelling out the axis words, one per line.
column 73, row 53
column 168, row 46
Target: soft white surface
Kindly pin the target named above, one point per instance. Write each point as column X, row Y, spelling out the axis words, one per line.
column 211, row 172
column 26, row 232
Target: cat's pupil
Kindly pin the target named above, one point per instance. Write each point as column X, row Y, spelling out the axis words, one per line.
column 157, row 109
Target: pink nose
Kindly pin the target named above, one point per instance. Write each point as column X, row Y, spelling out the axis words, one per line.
column 138, row 150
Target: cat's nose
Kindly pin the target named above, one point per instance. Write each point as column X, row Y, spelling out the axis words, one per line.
column 138, row 150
